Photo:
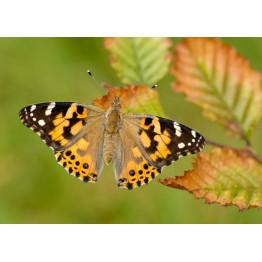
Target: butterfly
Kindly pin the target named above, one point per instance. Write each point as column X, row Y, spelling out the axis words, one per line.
column 84, row 136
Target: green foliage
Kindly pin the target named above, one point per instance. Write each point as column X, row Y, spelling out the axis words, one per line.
column 139, row 60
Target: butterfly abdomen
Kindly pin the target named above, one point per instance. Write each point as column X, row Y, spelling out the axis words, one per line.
column 109, row 148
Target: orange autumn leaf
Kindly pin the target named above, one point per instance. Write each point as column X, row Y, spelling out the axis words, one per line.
column 144, row 103
column 225, row 176
column 216, row 78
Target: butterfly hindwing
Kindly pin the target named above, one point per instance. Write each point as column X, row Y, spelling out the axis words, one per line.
column 84, row 159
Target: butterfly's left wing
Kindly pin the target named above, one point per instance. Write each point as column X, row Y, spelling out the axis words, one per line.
column 148, row 143
column 74, row 131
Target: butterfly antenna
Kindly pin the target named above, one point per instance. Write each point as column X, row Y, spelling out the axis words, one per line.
column 99, row 85
column 154, row 86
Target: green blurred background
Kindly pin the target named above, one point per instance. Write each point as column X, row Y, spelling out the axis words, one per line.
column 35, row 189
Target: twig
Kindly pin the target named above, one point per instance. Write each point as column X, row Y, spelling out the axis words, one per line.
column 249, row 150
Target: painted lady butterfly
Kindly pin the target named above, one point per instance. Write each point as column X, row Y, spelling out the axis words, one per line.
column 140, row 145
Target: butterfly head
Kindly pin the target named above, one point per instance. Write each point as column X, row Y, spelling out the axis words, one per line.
column 116, row 104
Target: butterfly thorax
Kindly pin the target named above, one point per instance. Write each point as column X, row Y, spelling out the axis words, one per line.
column 112, row 125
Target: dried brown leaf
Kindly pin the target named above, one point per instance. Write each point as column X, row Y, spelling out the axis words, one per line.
column 144, row 103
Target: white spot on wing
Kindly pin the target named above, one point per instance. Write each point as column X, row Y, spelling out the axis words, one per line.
column 31, row 114
column 181, row 145
column 193, row 133
column 34, row 119
column 178, row 129
column 193, row 140
column 33, row 107
column 49, row 109
column 177, row 126
column 189, row 144
column 41, row 122
column 178, row 133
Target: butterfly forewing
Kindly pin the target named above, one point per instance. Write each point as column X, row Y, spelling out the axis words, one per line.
column 57, row 123
column 163, row 141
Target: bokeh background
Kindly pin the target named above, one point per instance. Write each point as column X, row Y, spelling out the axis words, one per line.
column 35, row 189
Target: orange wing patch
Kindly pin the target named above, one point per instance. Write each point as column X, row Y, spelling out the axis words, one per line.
column 145, row 139
column 77, row 162
column 137, row 174
column 76, row 111
column 71, row 120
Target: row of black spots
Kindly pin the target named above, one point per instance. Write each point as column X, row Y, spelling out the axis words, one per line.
column 79, row 166
column 140, row 172
column 138, row 183
column 142, row 176
column 77, row 163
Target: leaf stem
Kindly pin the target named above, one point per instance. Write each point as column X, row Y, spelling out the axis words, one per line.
column 248, row 150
